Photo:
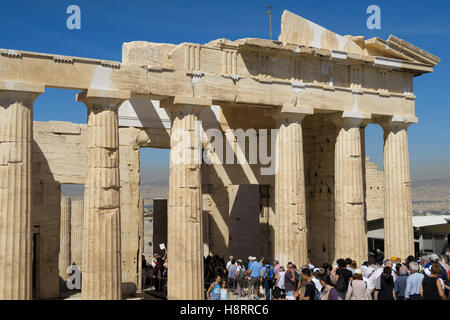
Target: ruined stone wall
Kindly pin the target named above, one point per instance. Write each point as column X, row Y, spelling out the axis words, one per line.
column 374, row 191
column 319, row 138
column 56, row 159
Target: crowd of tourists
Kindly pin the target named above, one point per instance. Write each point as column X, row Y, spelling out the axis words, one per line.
column 425, row 278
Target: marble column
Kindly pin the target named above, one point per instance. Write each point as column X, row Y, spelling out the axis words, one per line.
column 64, row 238
column 16, row 134
column 398, row 228
column 102, row 275
column 350, row 218
column 76, row 241
column 184, row 221
column 290, row 241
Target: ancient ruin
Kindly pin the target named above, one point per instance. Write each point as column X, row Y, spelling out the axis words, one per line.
column 317, row 88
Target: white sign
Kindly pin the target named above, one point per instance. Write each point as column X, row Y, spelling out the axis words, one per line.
column 162, row 246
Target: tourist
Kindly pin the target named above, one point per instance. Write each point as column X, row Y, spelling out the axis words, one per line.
column 276, row 268
column 298, row 277
column 384, row 286
column 255, row 277
column 310, row 291
column 278, row 290
column 349, row 262
column 232, row 269
column 341, row 276
column 315, row 278
column 357, row 288
column 309, row 263
column 435, row 260
column 423, row 261
column 400, row 282
column 268, row 276
column 328, row 291
column 250, row 261
column 219, row 269
column 413, row 283
column 239, row 278
column 327, row 267
column 290, row 284
column 432, row 286
column 214, row 291
column 373, row 278
column 229, row 263
column 224, row 292
column 369, row 271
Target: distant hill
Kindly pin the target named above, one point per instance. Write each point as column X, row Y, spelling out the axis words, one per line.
column 429, row 196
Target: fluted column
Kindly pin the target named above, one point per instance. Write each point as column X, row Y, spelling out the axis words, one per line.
column 398, row 228
column 102, row 276
column 76, row 242
column 64, row 238
column 185, row 241
column 290, row 232
column 350, row 217
column 16, row 134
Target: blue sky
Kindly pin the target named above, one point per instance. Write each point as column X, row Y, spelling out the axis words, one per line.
column 105, row 25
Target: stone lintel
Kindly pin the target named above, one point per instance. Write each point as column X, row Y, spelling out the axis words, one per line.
column 103, row 97
column 22, row 87
column 291, row 112
column 184, row 100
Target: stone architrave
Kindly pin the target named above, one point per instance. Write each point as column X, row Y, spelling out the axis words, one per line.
column 16, row 134
column 350, row 218
column 291, row 232
column 102, row 275
column 398, row 228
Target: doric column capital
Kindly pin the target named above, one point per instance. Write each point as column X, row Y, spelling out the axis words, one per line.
column 289, row 113
column 181, row 105
column 396, row 123
column 351, row 119
column 11, row 92
column 103, row 99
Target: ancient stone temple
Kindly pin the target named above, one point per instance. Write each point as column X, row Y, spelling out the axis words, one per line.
column 300, row 104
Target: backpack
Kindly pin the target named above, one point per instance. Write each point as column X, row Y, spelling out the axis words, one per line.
column 341, row 285
column 316, row 294
column 241, row 273
column 269, row 273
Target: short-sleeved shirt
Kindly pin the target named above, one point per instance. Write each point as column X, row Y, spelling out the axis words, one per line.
column 232, row 271
column 255, row 270
column 400, row 285
column 310, row 290
column 288, row 285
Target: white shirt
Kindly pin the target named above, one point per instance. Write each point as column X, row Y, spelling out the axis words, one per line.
column 281, row 280
column 317, row 283
column 228, row 264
